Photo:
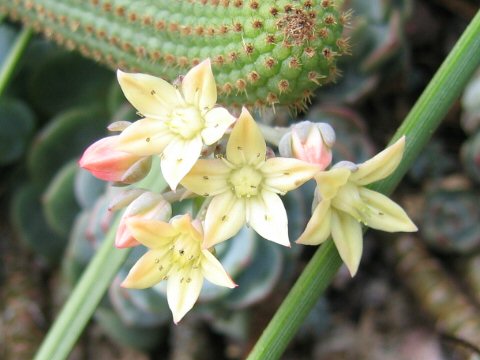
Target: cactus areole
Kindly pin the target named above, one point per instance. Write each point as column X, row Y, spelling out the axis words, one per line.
column 263, row 52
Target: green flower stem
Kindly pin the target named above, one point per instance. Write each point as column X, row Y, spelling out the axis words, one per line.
column 8, row 67
column 92, row 286
column 84, row 299
column 418, row 127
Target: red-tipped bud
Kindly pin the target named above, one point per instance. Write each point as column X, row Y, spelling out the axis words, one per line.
column 106, row 163
column 310, row 142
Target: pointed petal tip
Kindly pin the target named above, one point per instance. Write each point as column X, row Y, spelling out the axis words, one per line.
column 352, row 271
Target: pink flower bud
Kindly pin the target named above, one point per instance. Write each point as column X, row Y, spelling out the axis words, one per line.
column 147, row 206
column 310, row 142
column 106, row 163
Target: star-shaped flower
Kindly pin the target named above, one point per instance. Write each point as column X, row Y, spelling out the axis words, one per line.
column 177, row 120
column 245, row 186
column 345, row 203
column 174, row 255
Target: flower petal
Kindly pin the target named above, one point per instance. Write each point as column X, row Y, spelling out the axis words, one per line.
column 145, row 137
column 348, row 238
column 217, row 121
column 319, row 226
column 178, row 158
column 384, row 214
column 381, row 165
column 183, row 290
column 151, row 233
column 199, row 87
column 267, row 216
column 285, row 174
column 330, row 181
column 148, row 270
column 348, row 200
column 214, row 272
column 225, row 217
column 207, row 177
column 124, row 237
column 150, row 95
column 105, row 161
column 246, row 144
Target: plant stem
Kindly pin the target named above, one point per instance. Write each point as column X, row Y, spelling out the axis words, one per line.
column 92, row 286
column 418, row 127
column 13, row 58
column 84, row 299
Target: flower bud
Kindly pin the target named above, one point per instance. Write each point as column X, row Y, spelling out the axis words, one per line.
column 147, row 206
column 124, row 198
column 106, row 163
column 310, row 142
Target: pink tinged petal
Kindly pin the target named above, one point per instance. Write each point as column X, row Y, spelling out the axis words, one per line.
column 246, row 144
column 199, row 87
column 145, row 137
column 384, row 214
column 313, row 149
column 267, row 216
column 214, row 272
column 319, row 226
column 124, row 237
column 285, row 174
column 329, row 182
column 183, row 289
column 149, row 270
column 105, row 161
column 150, row 95
column 178, row 159
column 225, row 217
column 348, row 238
column 217, row 121
column 151, row 233
column 207, row 177
column 381, row 165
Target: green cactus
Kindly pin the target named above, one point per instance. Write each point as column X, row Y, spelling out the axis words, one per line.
column 264, row 53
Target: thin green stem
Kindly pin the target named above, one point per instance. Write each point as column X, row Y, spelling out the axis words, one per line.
column 84, row 300
column 418, row 127
column 13, row 58
column 91, row 287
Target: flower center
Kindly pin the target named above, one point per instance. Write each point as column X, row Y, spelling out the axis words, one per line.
column 246, row 181
column 186, row 122
column 185, row 252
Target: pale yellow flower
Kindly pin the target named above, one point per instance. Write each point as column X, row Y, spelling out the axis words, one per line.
column 245, row 186
column 345, row 203
column 177, row 120
column 174, row 255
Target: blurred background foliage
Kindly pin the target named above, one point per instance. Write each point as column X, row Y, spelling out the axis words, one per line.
column 54, row 215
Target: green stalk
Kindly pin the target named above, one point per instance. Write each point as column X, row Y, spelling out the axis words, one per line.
column 92, row 286
column 84, row 299
column 8, row 67
column 418, row 127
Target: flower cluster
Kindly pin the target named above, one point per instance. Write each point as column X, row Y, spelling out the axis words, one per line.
column 182, row 126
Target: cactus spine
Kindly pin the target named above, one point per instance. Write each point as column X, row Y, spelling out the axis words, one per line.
column 264, row 52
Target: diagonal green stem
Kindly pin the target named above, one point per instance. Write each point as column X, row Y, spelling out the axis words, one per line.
column 84, row 300
column 418, row 127
column 6, row 71
column 92, row 286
